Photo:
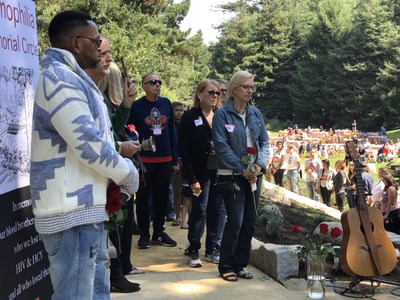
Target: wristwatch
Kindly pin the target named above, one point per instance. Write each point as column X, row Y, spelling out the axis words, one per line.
column 119, row 147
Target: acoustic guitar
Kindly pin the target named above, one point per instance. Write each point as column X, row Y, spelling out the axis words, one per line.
column 366, row 250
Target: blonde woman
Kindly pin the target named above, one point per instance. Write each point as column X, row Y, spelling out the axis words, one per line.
column 239, row 127
column 119, row 98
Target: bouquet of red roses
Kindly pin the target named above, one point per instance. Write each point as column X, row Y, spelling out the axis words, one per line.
column 319, row 243
column 114, row 207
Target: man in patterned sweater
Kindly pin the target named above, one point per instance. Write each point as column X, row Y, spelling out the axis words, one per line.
column 73, row 159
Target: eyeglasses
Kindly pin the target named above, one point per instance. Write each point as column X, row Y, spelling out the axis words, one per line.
column 213, row 93
column 153, row 82
column 248, row 87
column 97, row 41
column 223, row 91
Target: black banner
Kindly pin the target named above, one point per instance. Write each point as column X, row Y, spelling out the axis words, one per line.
column 24, row 267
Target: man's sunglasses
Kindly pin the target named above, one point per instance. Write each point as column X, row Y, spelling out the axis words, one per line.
column 153, row 82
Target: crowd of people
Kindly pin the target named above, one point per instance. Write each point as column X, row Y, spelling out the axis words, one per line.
column 324, row 181
column 199, row 167
column 376, row 147
column 80, row 147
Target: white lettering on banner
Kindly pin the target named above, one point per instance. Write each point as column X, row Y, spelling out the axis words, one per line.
column 25, row 244
column 29, row 283
column 29, row 262
column 10, row 230
column 25, row 203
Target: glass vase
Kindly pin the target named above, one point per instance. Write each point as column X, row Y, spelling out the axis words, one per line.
column 315, row 275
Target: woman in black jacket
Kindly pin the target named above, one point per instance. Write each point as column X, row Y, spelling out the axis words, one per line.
column 199, row 169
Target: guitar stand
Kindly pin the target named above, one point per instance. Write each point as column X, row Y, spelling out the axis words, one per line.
column 362, row 292
column 367, row 291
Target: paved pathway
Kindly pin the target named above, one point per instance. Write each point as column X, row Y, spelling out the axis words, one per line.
column 169, row 277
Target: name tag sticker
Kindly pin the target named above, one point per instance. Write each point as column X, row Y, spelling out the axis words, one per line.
column 198, row 122
column 157, row 131
column 230, row 127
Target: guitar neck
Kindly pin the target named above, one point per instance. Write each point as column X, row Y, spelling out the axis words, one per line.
column 360, row 184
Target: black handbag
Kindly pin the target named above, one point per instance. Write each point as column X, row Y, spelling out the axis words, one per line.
column 224, row 184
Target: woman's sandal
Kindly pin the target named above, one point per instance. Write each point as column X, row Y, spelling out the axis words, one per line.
column 230, row 276
column 244, row 274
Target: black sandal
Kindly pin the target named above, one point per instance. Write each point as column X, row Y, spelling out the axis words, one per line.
column 230, row 276
column 244, row 274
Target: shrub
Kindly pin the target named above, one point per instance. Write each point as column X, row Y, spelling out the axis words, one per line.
column 272, row 218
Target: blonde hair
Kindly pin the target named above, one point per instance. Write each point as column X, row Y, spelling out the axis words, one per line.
column 111, row 85
column 200, row 88
column 237, row 79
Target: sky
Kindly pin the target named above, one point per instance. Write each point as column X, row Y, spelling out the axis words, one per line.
column 203, row 14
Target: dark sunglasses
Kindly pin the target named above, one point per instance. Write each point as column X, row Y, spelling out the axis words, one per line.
column 96, row 41
column 223, row 91
column 213, row 93
column 153, row 82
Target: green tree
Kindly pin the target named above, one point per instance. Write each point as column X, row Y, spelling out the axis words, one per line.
column 270, row 60
column 373, row 48
column 147, row 35
column 316, row 81
column 235, row 41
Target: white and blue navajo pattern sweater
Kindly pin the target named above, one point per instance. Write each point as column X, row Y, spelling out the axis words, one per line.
column 73, row 154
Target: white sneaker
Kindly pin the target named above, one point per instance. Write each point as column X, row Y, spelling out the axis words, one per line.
column 213, row 257
column 194, row 260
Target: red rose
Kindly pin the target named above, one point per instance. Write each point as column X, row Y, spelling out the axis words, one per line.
column 335, row 232
column 113, row 190
column 131, row 127
column 296, row 229
column 323, row 228
column 251, row 150
column 113, row 203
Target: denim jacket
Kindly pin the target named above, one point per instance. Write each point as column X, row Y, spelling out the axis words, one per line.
column 229, row 136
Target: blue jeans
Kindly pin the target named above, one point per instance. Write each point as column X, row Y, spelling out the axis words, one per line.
column 205, row 209
column 312, row 194
column 216, row 215
column 241, row 209
column 170, row 208
column 77, row 262
column 221, row 222
column 293, row 178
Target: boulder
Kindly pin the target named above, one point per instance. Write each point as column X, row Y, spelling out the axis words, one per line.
column 277, row 261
